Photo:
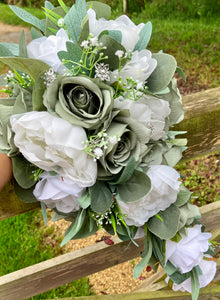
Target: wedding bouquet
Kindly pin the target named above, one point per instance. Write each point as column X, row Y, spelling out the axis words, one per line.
column 87, row 124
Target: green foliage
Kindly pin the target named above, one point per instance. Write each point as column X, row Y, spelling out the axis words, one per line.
column 23, row 242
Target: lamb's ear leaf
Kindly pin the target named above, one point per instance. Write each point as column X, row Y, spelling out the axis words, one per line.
column 23, row 45
column 27, row 17
column 102, row 10
column 144, row 37
column 28, row 66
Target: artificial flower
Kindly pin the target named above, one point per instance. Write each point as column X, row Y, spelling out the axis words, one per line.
column 163, row 192
column 46, row 49
column 58, row 192
column 80, row 100
column 132, row 138
column 139, row 68
column 148, row 110
column 53, row 144
column 130, row 31
column 208, row 268
column 189, row 251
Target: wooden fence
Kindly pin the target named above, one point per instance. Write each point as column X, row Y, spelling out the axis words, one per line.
column 202, row 121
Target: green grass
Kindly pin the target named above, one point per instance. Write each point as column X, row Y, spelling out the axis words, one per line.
column 23, row 242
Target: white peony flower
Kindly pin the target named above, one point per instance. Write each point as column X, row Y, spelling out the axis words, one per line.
column 58, row 192
column 164, row 190
column 139, row 68
column 208, row 268
column 130, row 31
column 148, row 110
column 188, row 252
column 53, row 144
column 46, row 48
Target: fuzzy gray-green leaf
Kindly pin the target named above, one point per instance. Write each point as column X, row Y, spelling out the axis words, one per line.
column 27, row 17
column 23, row 171
column 102, row 10
column 13, row 48
column 73, row 53
column 144, row 37
column 101, row 197
column 29, row 66
column 22, row 45
column 162, row 75
column 135, row 188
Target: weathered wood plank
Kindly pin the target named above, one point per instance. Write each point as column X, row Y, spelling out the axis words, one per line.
column 202, row 122
column 71, row 266
column 209, row 293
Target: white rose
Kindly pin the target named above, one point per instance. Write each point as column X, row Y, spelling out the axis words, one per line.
column 130, row 31
column 139, row 68
column 53, row 144
column 46, row 48
column 58, row 192
column 208, row 268
column 189, row 251
column 150, row 111
column 164, row 190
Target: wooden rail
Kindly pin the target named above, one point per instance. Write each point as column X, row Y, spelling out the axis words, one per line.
column 77, row 264
column 202, row 120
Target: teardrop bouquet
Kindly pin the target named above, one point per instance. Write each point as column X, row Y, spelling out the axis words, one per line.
column 88, row 126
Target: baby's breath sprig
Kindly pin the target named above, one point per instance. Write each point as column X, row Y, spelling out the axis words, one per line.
column 21, row 79
column 96, row 144
column 92, row 55
column 112, row 216
column 37, row 173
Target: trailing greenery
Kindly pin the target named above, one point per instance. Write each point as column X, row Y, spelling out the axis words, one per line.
column 24, row 242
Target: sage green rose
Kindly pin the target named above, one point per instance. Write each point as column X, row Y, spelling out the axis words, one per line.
column 132, row 138
column 19, row 102
column 80, row 100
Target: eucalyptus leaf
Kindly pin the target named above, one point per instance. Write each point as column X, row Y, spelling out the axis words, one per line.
column 74, row 227
column 22, row 45
column 29, row 66
column 102, row 10
column 168, row 228
column 144, row 37
column 73, row 19
column 162, row 75
column 4, row 51
column 183, row 196
column 135, row 188
column 35, row 34
column 101, row 197
column 173, row 156
column 25, row 195
column 23, row 171
column 13, row 48
column 88, row 228
column 27, row 17
column 111, row 47
column 145, row 260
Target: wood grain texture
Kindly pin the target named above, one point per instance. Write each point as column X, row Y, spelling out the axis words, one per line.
column 74, row 265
